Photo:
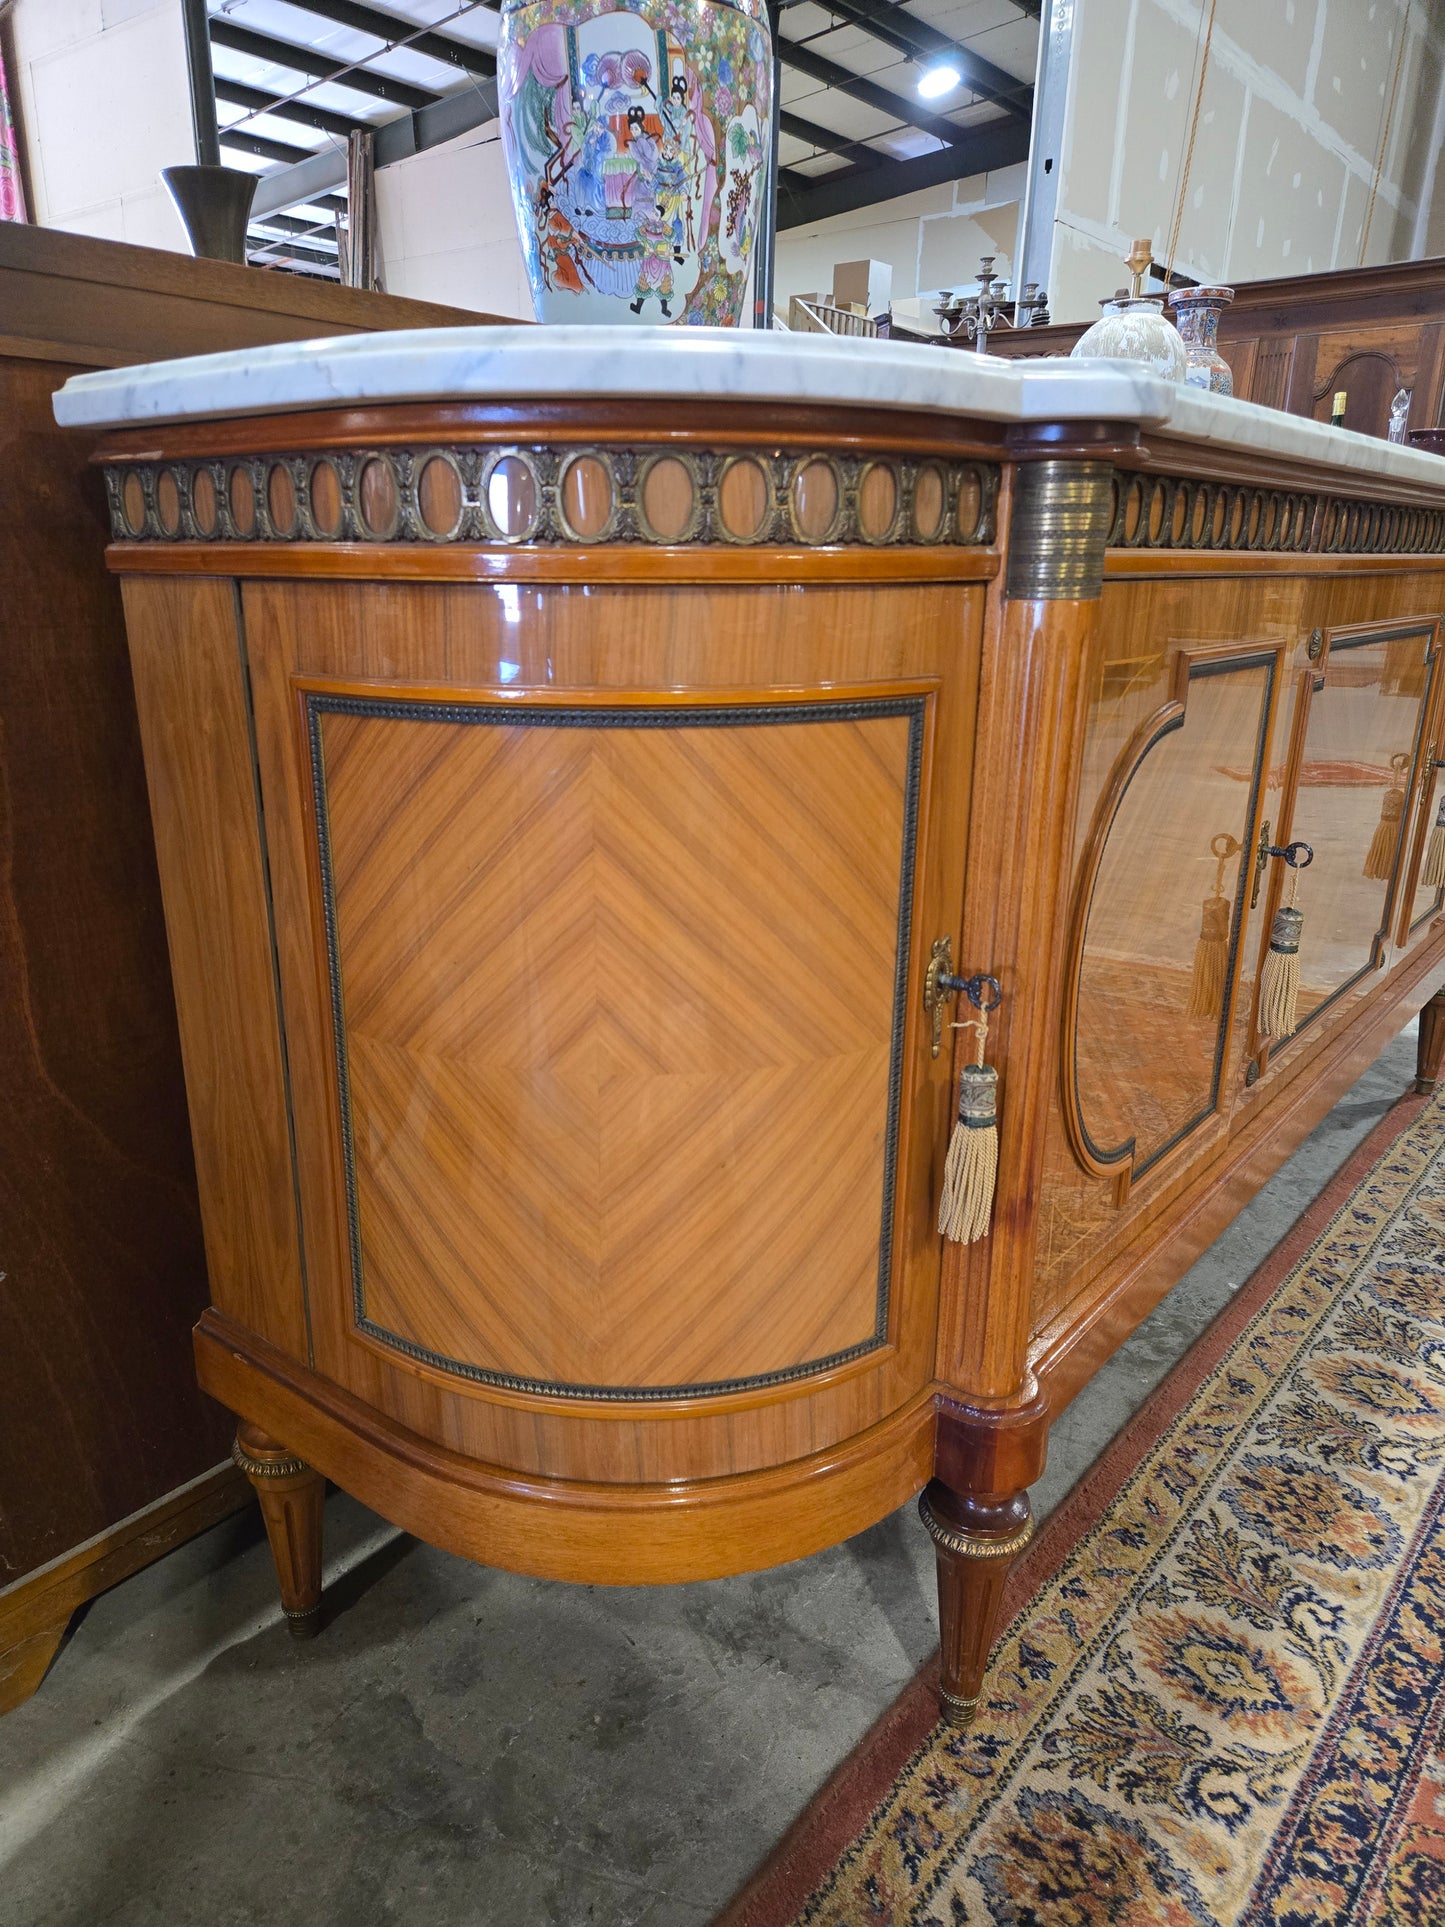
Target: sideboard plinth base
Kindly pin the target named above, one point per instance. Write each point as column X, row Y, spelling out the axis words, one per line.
column 553, row 1528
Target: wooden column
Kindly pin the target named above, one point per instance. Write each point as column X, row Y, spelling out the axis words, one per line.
column 290, row 1496
column 1036, row 677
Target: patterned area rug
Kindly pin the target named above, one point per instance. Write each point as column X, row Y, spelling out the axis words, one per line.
column 1224, row 1700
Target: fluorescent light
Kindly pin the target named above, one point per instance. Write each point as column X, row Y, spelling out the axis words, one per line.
column 939, row 80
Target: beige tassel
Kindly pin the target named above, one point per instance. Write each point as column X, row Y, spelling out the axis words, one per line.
column 1381, row 858
column 1279, row 980
column 970, row 1172
column 1434, row 875
column 1211, row 953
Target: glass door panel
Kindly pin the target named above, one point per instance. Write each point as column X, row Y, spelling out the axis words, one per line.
column 1351, row 801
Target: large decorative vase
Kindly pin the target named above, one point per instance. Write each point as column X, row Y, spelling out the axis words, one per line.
column 1197, row 311
column 637, row 144
column 1133, row 328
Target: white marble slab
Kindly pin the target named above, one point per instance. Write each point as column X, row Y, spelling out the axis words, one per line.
column 432, row 364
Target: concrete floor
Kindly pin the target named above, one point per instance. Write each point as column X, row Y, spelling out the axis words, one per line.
column 463, row 1746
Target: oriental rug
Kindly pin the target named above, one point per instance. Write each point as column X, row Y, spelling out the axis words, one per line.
column 1221, row 1703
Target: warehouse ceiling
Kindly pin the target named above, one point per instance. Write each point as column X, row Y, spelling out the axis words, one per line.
column 294, row 77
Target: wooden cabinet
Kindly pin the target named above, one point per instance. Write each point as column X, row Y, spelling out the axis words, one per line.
column 107, row 1453
column 1293, row 343
column 559, row 806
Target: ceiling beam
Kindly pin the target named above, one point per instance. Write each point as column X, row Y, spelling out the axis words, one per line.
column 268, row 150
column 277, row 253
column 804, row 61
column 999, row 144
column 312, row 175
column 306, row 60
column 310, row 181
column 895, row 27
column 827, row 141
column 289, row 225
column 301, row 111
column 389, row 27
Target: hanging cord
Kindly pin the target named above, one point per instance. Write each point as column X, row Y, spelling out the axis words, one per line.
column 1189, row 150
column 1384, row 134
column 980, row 1025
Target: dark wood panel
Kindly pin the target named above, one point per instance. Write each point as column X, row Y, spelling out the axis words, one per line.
column 103, row 1264
column 102, row 1269
column 101, row 303
column 1292, row 343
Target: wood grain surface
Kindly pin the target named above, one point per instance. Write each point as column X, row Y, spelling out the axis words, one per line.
column 601, row 1532
column 607, row 996
column 102, row 1270
column 581, row 1001
column 525, row 644
column 192, row 700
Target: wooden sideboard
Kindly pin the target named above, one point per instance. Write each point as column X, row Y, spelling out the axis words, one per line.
column 107, row 1453
column 1293, row 343
column 561, row 805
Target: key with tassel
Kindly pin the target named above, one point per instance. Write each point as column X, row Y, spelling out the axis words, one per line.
column 1279, row 980
column 970, row 1171
column 1211, row 953
column 1380, row 858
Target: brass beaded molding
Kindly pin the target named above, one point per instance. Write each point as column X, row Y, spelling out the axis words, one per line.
column 1183, row 512
column 283, row 1468
column 971, row 1545
column 527, row 495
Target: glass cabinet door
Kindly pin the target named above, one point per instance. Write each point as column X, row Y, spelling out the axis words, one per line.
column 1353, row 797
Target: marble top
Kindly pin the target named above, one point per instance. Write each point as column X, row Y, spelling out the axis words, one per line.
column 432, row 364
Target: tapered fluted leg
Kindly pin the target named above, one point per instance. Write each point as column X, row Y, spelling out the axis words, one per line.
column 1431, row 1048
column 976, row 1540
column 290, row 1495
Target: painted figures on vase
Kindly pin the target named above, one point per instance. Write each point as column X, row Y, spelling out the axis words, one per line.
column 636, row 142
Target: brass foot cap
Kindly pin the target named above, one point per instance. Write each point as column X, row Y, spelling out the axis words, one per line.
column 303, row 1622
column 955, row 1710
column 1424, row 1086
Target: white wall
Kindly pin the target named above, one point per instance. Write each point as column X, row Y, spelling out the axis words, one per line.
column 446, row 227
column 932, row 240
column 105, row 105
column 1293, row 111
column 448, row 234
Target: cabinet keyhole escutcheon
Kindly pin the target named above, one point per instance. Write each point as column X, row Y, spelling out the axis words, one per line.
column 940, row 987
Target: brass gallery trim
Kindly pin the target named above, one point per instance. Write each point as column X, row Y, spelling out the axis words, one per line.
column 235, row 499
column 1183, row 512
column 911, row 709
column 289, row 1467
column 972, row 1545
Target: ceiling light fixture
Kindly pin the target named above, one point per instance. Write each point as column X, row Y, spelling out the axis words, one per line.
column 939, row 80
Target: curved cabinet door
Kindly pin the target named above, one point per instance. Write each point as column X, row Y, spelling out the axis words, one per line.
column 607, row 1052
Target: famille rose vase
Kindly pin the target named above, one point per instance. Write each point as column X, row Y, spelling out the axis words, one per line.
column 1198, row 311
column 636, row 135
